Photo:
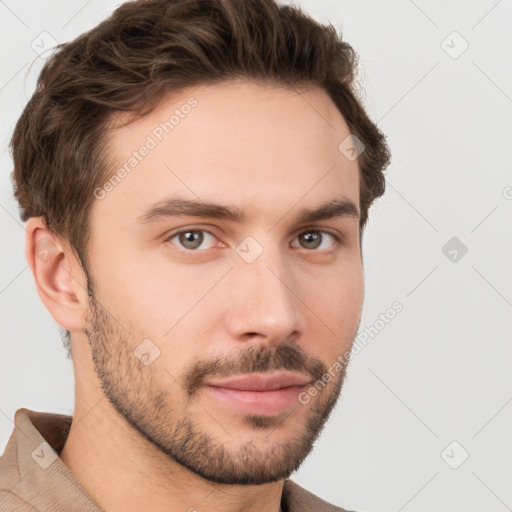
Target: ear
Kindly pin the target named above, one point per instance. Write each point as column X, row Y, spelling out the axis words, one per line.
column 60, row 280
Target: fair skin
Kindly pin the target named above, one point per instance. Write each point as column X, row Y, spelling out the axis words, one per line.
column 155, row 437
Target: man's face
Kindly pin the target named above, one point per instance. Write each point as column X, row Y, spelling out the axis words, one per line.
column 183, row 301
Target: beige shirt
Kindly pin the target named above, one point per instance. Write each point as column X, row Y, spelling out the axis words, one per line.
column 33, row 478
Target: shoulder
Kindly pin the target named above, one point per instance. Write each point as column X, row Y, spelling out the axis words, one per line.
column 298, row 499
column 10, row 502
column 9, row 472
column 10, row 478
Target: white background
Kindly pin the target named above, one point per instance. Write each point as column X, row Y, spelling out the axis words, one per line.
column 440, row 370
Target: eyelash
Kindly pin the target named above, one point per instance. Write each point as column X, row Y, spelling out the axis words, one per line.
column 338, row 239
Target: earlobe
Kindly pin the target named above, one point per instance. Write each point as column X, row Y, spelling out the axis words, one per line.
column 59, row 280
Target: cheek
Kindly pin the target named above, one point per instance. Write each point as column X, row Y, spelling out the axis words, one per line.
column 174, row 306
column 180, row 311
column 152, row 290
column 337, row 303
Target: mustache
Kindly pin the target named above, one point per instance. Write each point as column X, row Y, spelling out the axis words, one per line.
column 255, row 360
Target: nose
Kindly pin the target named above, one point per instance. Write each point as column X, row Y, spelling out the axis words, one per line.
column 264, row 301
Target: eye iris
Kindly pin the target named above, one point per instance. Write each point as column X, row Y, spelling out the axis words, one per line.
column 312, row 239
column 191, row 239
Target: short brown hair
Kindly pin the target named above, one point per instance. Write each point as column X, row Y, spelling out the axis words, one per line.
column 146, row 49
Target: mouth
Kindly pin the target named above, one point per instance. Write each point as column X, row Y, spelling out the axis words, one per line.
column 259, row 393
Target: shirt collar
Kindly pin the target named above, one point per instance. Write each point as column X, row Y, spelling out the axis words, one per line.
column 43, row 478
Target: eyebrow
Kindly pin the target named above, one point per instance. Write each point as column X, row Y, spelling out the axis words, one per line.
column 175, row 206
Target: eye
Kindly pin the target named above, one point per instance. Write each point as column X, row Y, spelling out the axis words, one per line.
column 199, row 239
column 192, row 239
column 316, row 238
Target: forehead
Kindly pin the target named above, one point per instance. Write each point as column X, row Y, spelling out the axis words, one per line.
column 251, row 143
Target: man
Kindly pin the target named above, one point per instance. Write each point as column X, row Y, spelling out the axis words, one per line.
column 195, row 177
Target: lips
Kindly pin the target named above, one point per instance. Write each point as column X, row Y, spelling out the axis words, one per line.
column 262, row 382
column 262, row 394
